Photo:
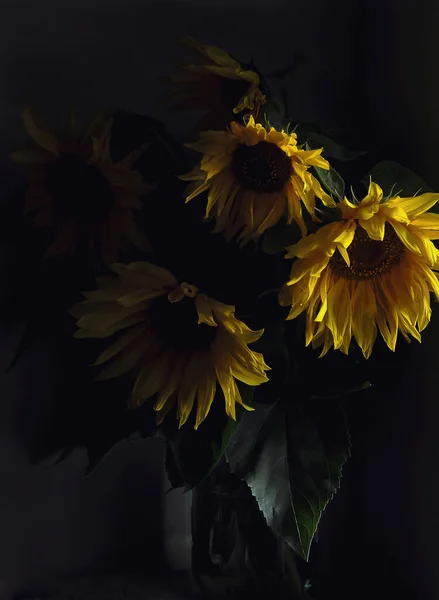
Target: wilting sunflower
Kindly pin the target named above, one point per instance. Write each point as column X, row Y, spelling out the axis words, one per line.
column 252, row 176
column 219, row 84
column 372, row 271
column 177, row 342
column 77, row 190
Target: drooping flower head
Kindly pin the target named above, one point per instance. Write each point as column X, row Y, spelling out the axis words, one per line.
column 177, row 342
column 253, row 175
column 76, row 189
column 370, row 272
column 219, row 84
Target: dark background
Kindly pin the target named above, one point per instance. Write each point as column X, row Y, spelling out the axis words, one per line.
column 370, row 63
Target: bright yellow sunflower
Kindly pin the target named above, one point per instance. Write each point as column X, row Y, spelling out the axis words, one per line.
column 372, row 271
column 76, row 189
column 252, row 176
column 177, row 342
column 219, row 84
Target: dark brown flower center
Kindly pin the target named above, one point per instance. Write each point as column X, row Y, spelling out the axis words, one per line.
column 262, row 168
column 80, row 190
column 369, row 258
column 176, row 324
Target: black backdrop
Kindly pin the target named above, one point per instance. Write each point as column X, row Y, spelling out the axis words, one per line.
column 372, row 63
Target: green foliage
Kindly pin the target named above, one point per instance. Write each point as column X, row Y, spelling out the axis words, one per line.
column 196, row 453
column 331, row 149
column 332, row 181
column 395, row 179
column 239, row 453
column 277, row 238
column 274, row 114
column 293, row 466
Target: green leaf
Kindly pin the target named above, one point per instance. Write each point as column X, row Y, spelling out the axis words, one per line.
column 196, row 453
column 331, row 181
column 243, row 443
column 226, row 436
column 274, row 113
column 296, row 472
column 394, row 178
column 277, row 238
column 331, row 149
column 329, row 419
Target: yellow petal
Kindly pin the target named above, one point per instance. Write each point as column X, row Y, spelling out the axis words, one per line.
column 244, row 364
column 228, row 386
column 138, row 297
column 176, row 295
column 197, row 190
column 46, row 140
column 295, row 209
column 216, row 54
column 387, row 316
column 364, row 309
column 429, row 250
column 427, row 221
column 102, row 333
column 151, row 380
column 127, row 162
column 344, row 254
column 204, row 310
column 120, row 345
column 107, row 317
column 206, row 393
column 368, row 206
column 432, row 280
column 375, row 227
column 325, row 284
column 338, row 311
column 188, row 389
column 148, row 273
column 409, row 240
column 320, row 193
column 395, row 213
column 346, row 236
column 313, row 158
column 30, row 156
column 125, row 363
column 415, row 205
column 171, row 385
column 374, row 195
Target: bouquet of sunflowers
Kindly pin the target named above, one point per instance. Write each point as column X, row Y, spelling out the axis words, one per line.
column 224, row 293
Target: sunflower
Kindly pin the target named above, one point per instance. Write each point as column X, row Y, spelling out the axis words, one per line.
column 219, row 84
column 371, row 271
column 176, row 341
column 76, row 189
column 252, row 175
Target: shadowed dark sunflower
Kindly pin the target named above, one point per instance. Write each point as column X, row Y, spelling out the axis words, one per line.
column 75, row 188
column 175, row 341
column 219, row 84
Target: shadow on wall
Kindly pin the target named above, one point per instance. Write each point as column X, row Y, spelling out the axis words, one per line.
column 399, row 63
column 98, row 57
